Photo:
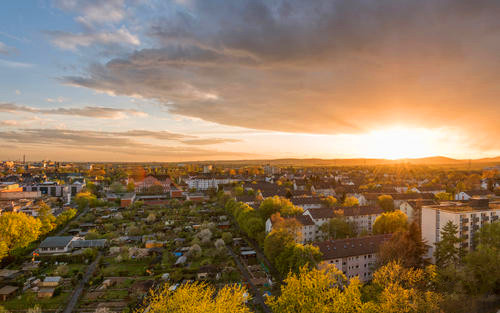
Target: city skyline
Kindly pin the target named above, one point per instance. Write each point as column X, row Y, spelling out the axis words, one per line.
column 138, row 80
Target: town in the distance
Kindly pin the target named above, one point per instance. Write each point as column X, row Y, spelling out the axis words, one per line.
column 250, row 236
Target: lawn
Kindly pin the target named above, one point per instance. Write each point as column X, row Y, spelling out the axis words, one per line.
column 29, row 300
column 126, row 268
column 115, row 294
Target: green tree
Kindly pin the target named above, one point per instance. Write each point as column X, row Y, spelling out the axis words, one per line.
column 390, row 222
column 117, row 187
column 65, row 216
column 481, row 265
column 489, row 235
column 85, row 199
column 227, row 237
column 275, row 243
column 91, row 187
column 338, row 228
column 46, row 217
column 386, row 202
column 448, row 250
column 295, row 256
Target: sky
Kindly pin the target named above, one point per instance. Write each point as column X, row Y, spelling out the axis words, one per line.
column 159, row 80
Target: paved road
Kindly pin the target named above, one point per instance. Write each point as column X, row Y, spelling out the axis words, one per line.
column 255, row 291
column 81, row 285
column 273, row 271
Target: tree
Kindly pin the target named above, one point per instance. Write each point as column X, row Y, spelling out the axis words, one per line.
column 117, row 187
column 489, row 235
column 65, row 216
column 85, row 199
column 130, row 186
column 45, row 216
column 386, row 202
column 350, row 201
column 220, row 245
column 318, row 290
column 290, row 225
column 199, row 297
column 17, row 230
column 275, row 243
column 448, row 250
column 248, row 219
column 406, row 289
column 295, row 256
column 330, row 202
column 390, row 222
column 227, row 237
column 35, row 309
column 444, row 196
column 151, row 218
column 338, row 228
column 238, row 190
column 481, row 265
column 205, row 235
column 276, row 204
column 405, row 247
column 194, row 251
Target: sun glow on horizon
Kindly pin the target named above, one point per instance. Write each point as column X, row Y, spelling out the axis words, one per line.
column 400, row 143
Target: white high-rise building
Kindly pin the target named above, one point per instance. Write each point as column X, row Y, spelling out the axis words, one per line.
column 468, row 216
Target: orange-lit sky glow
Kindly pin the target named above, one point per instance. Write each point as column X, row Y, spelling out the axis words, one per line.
column 128, row 80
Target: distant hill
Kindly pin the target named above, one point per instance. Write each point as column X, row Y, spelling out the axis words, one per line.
column 437, row 160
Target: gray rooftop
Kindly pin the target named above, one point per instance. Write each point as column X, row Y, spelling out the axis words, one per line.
column 52, row 279
column 56, row 242
column 98, row 243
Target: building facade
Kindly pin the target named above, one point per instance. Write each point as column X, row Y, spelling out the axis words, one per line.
column 468, row 216
column 353, row 256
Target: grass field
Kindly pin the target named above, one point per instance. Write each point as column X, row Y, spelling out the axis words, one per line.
column 29, row 300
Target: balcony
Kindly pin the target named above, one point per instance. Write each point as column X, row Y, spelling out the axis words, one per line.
column 494, row 218
column 464, row 228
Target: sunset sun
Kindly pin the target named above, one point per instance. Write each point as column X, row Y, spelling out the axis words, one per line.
column 399, row 142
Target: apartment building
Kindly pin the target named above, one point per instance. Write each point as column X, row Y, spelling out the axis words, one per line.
column 468, row 216
column 353, row 256
column 362, row 217
column 53, row 189
column 208, row 182
column 308, row 230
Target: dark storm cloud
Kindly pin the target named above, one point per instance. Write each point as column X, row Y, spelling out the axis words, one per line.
column 326, row 66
